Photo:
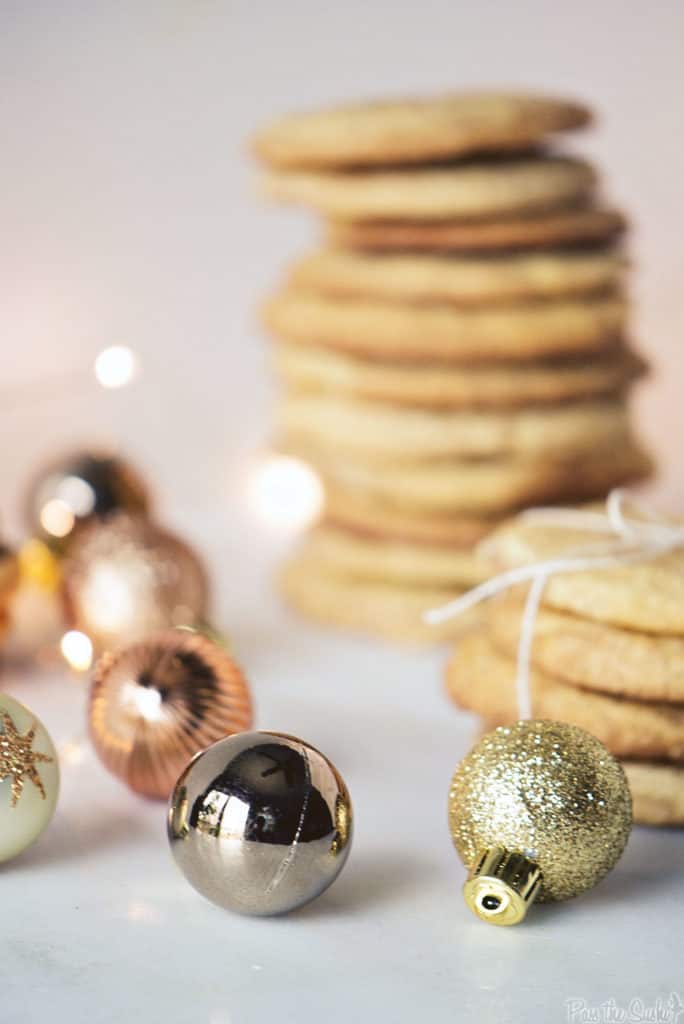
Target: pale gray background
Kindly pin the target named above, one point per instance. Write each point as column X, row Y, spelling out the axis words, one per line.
column 127, row 216
column 127, row 211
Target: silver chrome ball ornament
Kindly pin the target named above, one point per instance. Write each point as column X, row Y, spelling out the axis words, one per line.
column 260, row 823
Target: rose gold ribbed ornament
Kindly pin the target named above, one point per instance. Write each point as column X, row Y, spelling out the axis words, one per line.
column 126, row 577
column 155, row 703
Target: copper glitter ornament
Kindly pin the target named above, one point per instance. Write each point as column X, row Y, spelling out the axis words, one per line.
column 126, row 577
column 154, row 704
column 78, row 488
column 538, row 810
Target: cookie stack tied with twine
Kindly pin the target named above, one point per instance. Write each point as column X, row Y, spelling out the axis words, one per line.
column 597, row 640
column 455, row 351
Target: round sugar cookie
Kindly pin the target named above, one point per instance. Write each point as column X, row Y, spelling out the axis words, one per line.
column 391, row 611
column 415, row 130
column 485, row 189
column 484, row 487
column 432, row 385
column 372, row 517
column 342, row 424
column 577, row 225
column 463, row 281
column 592, row 654
column 657, row 792
column 482, row 680
column 645, row 596
column 417, row 333
column 385, row 559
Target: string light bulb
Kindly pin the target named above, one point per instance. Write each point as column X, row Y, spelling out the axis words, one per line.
column 77, row 650
column 285, row 492
column 56, row 518
column 116, row 366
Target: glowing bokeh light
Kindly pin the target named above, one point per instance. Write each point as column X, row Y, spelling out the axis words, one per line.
column 115, row 366
column 110, row 592
column 285, row 493
column 77, row 650
column 57, row 518
column 72, row 752
column 78, row 494
column 142, row 700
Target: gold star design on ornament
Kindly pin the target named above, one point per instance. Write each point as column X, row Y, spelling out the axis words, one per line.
column 18, row 759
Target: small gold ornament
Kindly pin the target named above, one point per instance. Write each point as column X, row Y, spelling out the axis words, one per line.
column 36, row 615
column 29, row 777
column 538, row 810
column 126, row 577
column 9, row 580
column 260, row 823
column 78, row 488
column 156, row 703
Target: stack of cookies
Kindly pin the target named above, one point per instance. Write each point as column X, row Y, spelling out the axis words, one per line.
column 455, row 351
column 607, row 655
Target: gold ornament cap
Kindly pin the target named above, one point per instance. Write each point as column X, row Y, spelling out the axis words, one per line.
column 502, row 886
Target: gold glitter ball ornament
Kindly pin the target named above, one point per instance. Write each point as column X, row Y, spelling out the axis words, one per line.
column 78, row 488
column 537, row 810
column 154, row 704
column 126, row 577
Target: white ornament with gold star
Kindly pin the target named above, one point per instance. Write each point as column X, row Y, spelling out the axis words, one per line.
column 29, row 777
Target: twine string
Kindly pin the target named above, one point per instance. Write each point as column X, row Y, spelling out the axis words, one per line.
column 625, row 540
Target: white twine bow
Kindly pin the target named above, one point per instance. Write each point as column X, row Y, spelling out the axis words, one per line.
column 625, row 540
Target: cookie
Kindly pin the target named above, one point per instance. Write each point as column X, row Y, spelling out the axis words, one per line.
column 415, row 130
column 592, row 654
column 657, row 792
column 480, row 679
column 481, row 487
column 372, row 429
column 405, row 332
column 577, row 225
column 391, row 611
column 384, row 559
column 372, row 517
column 646, row 597
column 486, row 189
column 431, row 385
column 463, row 281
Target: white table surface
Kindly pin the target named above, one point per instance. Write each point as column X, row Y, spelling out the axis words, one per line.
column 98, row 925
